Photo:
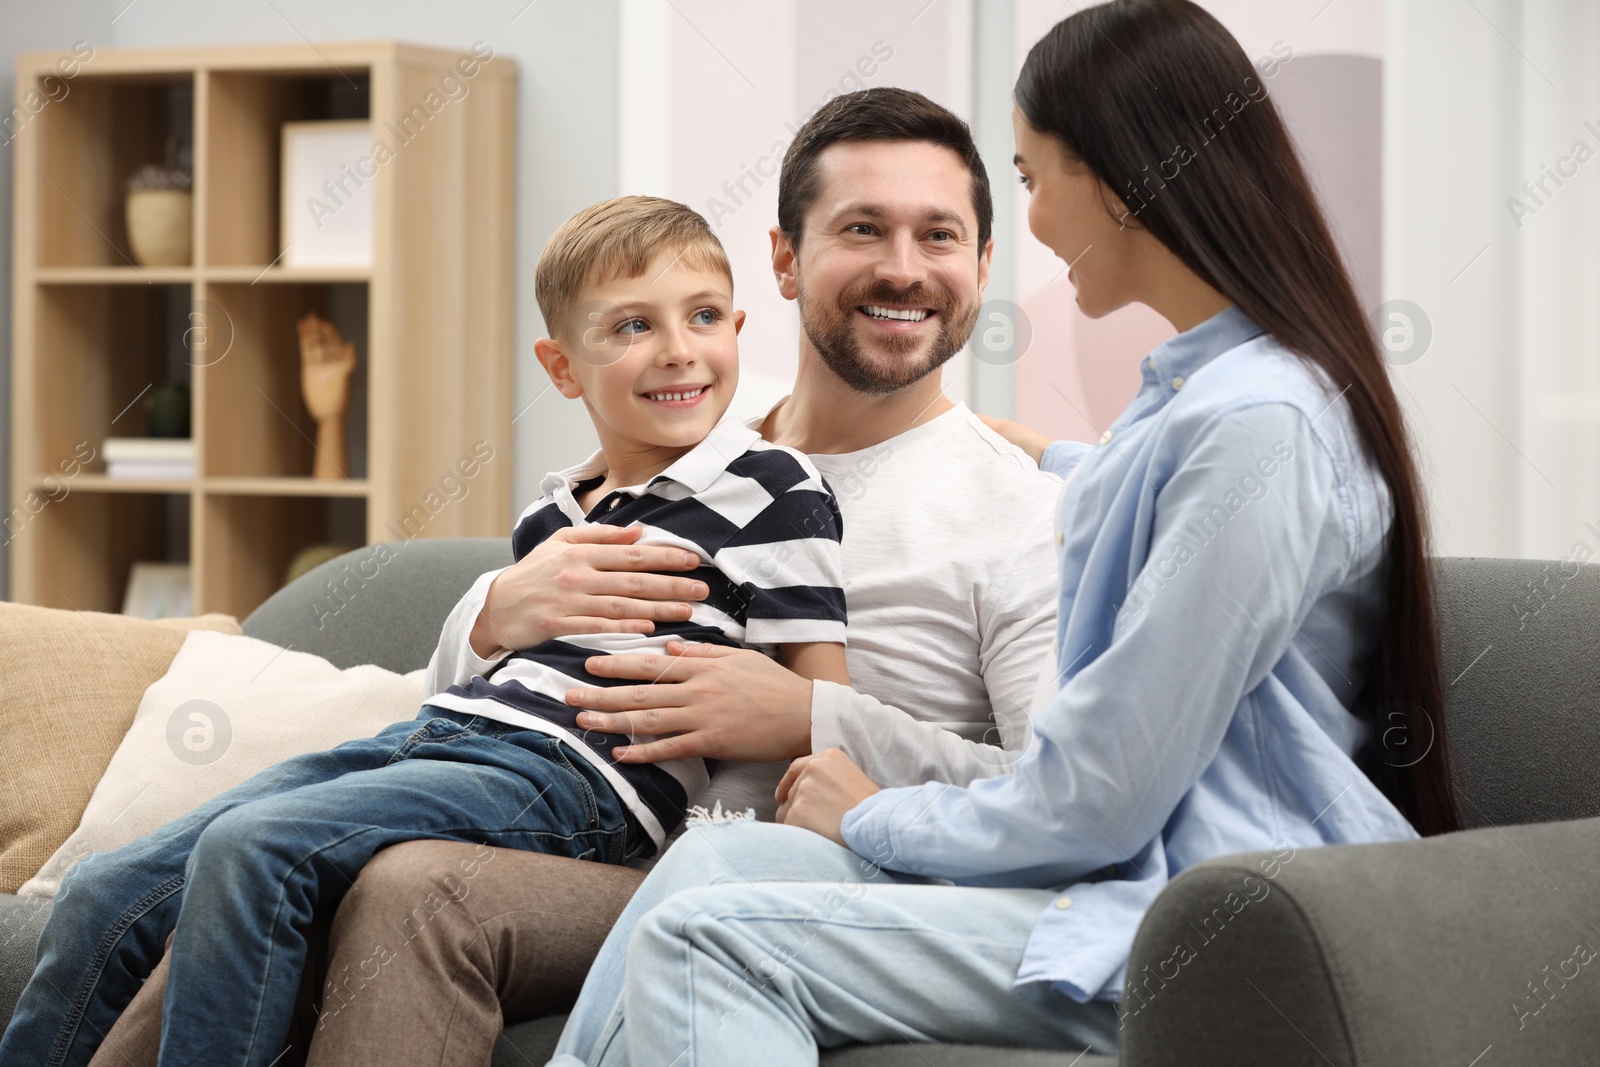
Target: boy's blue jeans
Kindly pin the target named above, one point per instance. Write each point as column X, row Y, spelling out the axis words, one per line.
column 241, row 878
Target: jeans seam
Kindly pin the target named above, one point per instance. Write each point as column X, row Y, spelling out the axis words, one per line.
column 591, row 805
column 622, row 853
column 608, row 1035
column 420, row 736
column 632, row 850
column 492, row 729
column 79, row 1006
column 693, row 1016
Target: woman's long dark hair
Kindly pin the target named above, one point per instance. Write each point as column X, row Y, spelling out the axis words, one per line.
column 1162, row 104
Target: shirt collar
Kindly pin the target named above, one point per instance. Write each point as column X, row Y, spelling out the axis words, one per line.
column 843, row 461
column 1181, row 356
column 695, row 470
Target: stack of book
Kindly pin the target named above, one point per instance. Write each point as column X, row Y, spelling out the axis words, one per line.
column 150, row 458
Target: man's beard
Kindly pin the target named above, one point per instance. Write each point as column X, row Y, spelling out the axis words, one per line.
column 832, row 333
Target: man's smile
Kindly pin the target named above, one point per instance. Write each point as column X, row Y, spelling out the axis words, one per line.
column 895, row 319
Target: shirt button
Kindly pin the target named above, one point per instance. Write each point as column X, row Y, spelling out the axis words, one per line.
column 1177, row 383
column 1060, row 537
column 1064, row 903
column 614, row 502
column 1105, row 438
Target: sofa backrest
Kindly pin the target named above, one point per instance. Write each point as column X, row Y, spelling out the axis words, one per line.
column 1520, row 642
column 381, row 604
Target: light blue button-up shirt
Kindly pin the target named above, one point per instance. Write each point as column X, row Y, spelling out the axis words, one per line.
column 1221, row 564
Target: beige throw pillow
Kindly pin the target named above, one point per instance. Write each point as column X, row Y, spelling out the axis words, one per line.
column 72, row 681
column 228, row 707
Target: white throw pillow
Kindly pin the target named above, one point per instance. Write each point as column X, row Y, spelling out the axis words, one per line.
column 228, row 707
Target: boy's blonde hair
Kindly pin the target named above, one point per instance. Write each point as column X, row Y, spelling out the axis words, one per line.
column 619, row 238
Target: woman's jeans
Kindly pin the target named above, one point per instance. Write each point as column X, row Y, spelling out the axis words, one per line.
column 752, row 943
column 242, row 877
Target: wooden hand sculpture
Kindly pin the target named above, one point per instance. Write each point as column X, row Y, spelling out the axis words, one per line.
column 326, row 361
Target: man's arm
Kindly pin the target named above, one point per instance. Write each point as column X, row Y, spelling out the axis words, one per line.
column 1016, row 627
column 821, row 661
column 806, row 664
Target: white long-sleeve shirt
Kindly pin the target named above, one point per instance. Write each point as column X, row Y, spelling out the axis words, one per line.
column 949, row 559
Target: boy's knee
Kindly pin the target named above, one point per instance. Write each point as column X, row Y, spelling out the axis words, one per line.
column 241, row 837
column 233, row 827
column 91, row 883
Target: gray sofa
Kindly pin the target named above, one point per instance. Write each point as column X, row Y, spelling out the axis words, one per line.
column 1476, row 949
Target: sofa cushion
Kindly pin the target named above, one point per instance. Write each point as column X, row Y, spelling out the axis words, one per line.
column 1522, row 687
column 72, row 681
column 230, row 706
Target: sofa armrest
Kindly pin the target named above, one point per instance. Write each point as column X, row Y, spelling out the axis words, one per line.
column 1426, row 951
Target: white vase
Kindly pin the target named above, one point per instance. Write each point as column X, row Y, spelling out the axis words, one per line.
column 159, row 227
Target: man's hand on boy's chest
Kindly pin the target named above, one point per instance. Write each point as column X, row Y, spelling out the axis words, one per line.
column 711, row 701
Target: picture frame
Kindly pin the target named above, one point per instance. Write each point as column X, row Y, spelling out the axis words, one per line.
column 325, row 202
column 159, row 591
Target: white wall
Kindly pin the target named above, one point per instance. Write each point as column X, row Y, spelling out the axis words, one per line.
column 1507, row 397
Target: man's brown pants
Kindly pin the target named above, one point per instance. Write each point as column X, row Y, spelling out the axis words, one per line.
column 436, row 945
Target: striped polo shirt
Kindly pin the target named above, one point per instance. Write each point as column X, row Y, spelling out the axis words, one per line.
column 767, row 531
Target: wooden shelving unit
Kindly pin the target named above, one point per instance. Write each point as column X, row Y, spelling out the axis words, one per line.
column 92, row 330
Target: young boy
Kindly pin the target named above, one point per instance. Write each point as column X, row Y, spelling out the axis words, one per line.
column 637, row 293
column 638, row 296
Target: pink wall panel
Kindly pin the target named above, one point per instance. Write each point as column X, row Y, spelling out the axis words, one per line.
column 1079, row 373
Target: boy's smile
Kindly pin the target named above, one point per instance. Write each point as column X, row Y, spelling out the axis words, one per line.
column 680, row 397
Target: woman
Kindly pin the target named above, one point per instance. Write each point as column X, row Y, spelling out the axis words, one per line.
column 1244, row 590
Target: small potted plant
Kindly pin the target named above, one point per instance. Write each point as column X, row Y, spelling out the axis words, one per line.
column 160, row 216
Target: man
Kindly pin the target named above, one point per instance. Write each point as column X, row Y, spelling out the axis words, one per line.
column 883, row 239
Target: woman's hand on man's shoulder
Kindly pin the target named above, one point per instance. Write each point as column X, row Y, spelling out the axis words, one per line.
column 1030, row 441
